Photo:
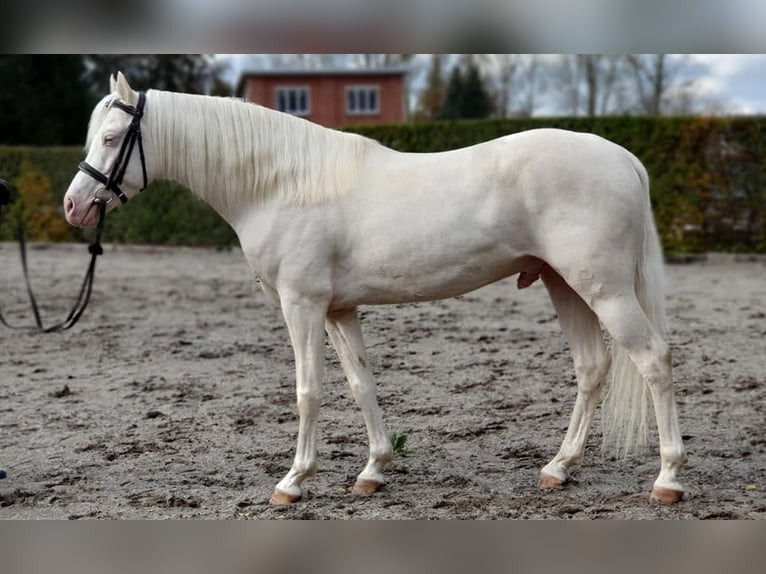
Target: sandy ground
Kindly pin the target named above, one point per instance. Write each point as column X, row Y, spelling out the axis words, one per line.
column 173, row 398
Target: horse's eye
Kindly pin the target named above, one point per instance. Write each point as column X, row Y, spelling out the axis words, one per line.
column 109, row 139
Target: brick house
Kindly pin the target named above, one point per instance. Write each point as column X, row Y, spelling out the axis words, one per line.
column 332, row 98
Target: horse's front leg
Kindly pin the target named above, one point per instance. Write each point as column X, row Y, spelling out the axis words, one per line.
column 346, row 336
column 305, row 322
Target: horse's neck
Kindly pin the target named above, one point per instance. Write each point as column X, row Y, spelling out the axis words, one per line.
column 184, row 145
column 235, row 155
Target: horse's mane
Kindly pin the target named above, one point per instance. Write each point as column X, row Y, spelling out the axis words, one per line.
column 233, row 151
column 229, row 151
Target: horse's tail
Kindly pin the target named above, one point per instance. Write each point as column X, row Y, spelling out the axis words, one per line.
column 626, row 407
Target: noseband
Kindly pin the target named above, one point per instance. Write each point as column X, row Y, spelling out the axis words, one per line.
column 113, row 181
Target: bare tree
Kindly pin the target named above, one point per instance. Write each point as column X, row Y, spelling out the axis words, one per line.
column 569, row 74
column 503, row 70
column 601, row 74
column 514, row 82
column 590, row 82
column 651, row 77
column 523, row 104
column 665, row 84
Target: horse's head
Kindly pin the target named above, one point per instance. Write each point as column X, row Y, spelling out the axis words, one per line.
column 114, row 167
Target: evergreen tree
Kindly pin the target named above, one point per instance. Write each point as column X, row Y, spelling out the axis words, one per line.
column 466, row 96
column 453, row 98
column 476, row 102
column 43, row 100
column 47, row 99
column 191, row 73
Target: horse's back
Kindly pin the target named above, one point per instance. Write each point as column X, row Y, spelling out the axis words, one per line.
column 567, row 152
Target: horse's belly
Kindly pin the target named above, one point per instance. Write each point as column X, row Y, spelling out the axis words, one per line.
column 429, row 249
column 396, row 283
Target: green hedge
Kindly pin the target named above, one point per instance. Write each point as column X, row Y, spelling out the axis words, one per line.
column 708, row 180
column 165, row 213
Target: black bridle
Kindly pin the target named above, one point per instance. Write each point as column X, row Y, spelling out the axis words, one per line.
column 113, row 181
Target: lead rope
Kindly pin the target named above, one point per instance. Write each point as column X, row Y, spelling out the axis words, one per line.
column 83, row 297
column 20, row 233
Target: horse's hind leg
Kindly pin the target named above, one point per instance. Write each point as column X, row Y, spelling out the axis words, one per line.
column 626, row 321
column 591, row 362
column 346, row 336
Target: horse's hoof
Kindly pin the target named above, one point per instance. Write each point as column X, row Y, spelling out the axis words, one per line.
column 549, row 481
column 365, row 487
column 280, row 498
column 666, row 495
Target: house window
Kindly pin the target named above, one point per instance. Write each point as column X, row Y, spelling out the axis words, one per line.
column 294, row 100
column 362, row 100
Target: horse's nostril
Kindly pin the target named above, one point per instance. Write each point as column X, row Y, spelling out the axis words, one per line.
column 68, row 206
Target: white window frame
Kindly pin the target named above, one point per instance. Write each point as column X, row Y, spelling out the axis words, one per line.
column 357, row 89
column 287, row 90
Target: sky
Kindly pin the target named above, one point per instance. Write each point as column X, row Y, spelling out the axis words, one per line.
column 737, row 80
column 740, row 78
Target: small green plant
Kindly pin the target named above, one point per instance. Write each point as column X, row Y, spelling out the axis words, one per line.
column 399, row 444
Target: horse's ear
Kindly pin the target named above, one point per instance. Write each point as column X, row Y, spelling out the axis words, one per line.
column 124, row 91
column 112, row 84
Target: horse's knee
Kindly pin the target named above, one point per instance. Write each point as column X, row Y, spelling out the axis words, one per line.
column 308, row 403
column 362, row 390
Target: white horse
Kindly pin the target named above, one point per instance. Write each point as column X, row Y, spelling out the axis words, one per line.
column 329, row 221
